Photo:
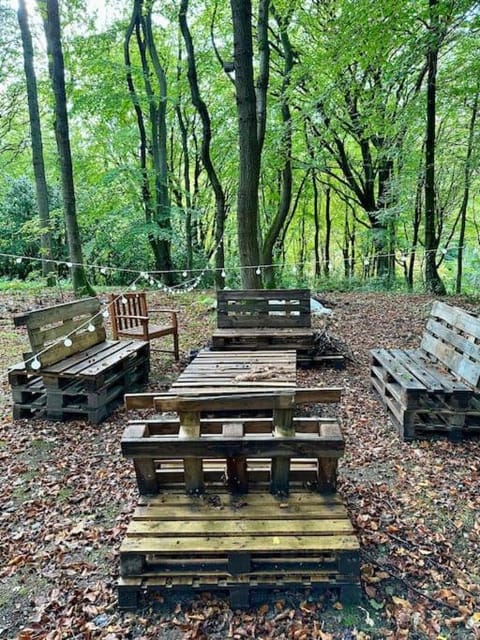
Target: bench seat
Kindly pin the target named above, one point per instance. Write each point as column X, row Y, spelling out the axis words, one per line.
column 78, row 373
column 433, row 390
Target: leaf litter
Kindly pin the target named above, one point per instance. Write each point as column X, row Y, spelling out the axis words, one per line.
column 67, row 496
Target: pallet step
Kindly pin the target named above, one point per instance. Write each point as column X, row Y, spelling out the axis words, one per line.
column 224, row 541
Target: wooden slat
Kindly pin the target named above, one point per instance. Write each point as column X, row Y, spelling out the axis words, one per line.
column 59, row 312
column 180, row 544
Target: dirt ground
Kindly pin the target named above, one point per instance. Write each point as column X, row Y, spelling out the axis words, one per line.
column 67, row 494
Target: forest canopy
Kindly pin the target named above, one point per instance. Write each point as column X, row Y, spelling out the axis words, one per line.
column 270, row 143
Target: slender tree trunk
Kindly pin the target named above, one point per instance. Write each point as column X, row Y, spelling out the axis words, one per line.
column 134, row 26
column 433, row 281
column 328, row 231
column 158, row 121
column 466, row 193
column 51, row 21
column 201, row 107
column 286, row 174
column 37, row 146
column 316, row 220
column 249, row 149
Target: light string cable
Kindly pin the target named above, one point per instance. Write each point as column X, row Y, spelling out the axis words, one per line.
column 150, row 274
column 34, row 360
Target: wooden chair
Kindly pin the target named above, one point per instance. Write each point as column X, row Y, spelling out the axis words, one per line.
column 130, row 318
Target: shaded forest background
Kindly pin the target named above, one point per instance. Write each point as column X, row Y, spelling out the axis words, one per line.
column 321, row 143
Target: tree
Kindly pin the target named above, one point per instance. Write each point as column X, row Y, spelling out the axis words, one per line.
column 37, row 146
column 156, row 200
column 250, row 140
column 51, row 21
column 201, row 107
column 433, row 282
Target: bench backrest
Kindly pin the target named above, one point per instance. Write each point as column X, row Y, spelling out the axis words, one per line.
column 257, row 308
column 48, row 328
column 452, row 337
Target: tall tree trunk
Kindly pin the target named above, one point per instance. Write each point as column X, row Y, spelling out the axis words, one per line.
column 249, row 149
column 466, row 193
column 433, row 281
column 37, row 146
column 51, row 22
column 134, row 26
column 316, row 220
column 201, row 107
column 286, row 177
column 158, row 122
column 328, row 230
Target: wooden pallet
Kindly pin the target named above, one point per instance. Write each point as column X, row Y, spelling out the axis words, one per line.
column 83, row 374
column 28, row 393
column 234, row 452
column 91, row 384
column 432, row 390
column 238, row 544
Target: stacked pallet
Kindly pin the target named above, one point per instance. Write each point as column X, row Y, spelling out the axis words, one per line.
column 28, row 393
column 73, row 371
column 234, row 503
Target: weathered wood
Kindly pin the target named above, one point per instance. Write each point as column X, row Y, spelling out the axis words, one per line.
column 430, row 391
column 88, row 378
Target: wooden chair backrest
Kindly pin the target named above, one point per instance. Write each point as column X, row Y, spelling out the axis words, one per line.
column 48, row 328
column 127, row 309
column 257, row 308
column 452, row 337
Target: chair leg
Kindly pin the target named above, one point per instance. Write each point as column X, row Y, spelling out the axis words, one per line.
column 175, row 347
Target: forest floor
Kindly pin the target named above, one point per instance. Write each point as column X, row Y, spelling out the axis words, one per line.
column 67, row 494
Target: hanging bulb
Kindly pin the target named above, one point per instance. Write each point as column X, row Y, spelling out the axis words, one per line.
column 18, row 260
column 103, row 270
column 105, row 313
column 133, row 287
column 152, row 282
column 90, row 327
column 224, row 275
column 366, row 262
column 144, row 275
column 444, row 251
column 123, row 300
column 184, row 274
column 69, row 264
column 68, row 342
column 36, row 364
column 159, row 285
column 294, row 269
column 258, row 271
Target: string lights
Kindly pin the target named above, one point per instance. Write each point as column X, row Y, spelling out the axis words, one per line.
column 187, row 286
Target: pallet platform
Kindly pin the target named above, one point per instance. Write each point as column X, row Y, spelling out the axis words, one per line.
column 238, row 544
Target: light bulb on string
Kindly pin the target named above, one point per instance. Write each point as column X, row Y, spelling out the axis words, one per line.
column 103, row 270
column 144, row 275
column 258, row 271
column 123, row 300
column 133, row 287
column 366, row 262
column 69, row 264
column 184, row 274
column 91, row 327
column 68, row 342
column 18, row 260
column 224, row 275
column 105, row 313
column 444, row 251
column 152, row 282
column 36, row 364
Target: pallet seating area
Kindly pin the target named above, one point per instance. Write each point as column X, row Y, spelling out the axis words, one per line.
column 433, row 390
column 237, row 494
column 276, row 319
column 73, row 371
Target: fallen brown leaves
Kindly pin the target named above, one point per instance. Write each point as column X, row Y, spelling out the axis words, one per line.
column 67, row 495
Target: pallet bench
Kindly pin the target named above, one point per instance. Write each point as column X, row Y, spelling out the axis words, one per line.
column 73, row 371
column 276, row 319
column 237, row 503
column 433, row 390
